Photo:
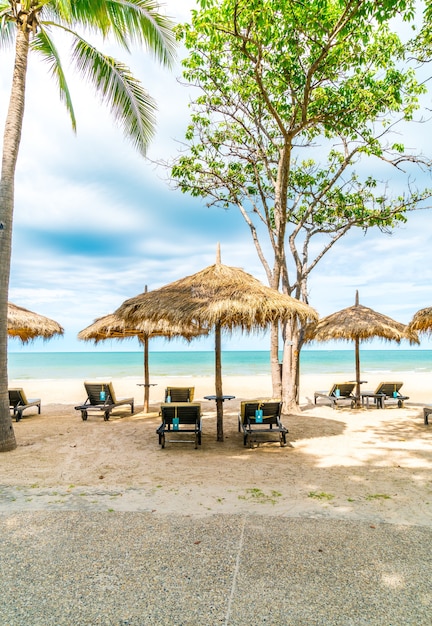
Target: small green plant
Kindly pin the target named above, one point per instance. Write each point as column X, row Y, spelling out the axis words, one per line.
column 321, row 495
column 257, row 495
column 378, row 496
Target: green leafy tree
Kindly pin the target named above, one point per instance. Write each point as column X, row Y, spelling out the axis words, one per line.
column 297, row 103
column 30, row 25
column 421, row 44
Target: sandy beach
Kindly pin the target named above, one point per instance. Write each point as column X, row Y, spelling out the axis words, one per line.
column 341, row 463
column 102, row 526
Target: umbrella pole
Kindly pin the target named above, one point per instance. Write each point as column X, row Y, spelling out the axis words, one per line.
column 146, row 375
column 219, row 393
column 357, row 366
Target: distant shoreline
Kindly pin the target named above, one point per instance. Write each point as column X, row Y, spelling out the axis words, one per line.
column 120, row 364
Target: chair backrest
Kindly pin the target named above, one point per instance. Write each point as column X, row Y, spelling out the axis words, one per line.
column 243, row 404
column 17, row 397
column 345, row 390
column 270, row 412
column 388, row 388
column 94, row 393
column 112, row 392
column 186, row 413
column 180, row 394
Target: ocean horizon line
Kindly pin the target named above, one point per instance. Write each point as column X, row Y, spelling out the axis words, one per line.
column 99, row 349
column 119, row 364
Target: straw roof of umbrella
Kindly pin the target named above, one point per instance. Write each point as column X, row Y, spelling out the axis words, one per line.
column 114, row 327
column 28, row 325
column 422, row 321
column 359, row 323
column 218, row 294
column 217, row 297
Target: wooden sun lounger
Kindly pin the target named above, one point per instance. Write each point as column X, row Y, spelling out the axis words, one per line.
column 101, row 398
column 340, row 393
column 385, row 393
column 179, row 394
column 18, row 403
column 254, row 425
column 179, row 418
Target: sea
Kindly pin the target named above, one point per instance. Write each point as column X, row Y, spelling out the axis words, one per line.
column 82, row 365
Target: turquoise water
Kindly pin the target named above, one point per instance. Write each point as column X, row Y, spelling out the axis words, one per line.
column 42, row 365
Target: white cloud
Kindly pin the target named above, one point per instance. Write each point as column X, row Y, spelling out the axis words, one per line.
column 95, row 222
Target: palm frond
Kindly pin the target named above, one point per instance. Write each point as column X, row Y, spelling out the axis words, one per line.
column 130, row 21
column 131, row 105
column 7, row 25
column 144, row 24
column 44, row 45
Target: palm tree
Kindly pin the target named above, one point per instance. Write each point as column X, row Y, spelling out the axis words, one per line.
column 30, row 24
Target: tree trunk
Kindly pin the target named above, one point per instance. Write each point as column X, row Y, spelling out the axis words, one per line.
column 274, row 360
column 290, row 369
column 11, row 142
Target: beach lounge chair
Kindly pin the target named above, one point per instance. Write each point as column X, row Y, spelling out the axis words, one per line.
column 241, row 413
column 180, row 418
column 101, row 398
column 262, row 418
column 339, row 394
column 179, row 394
column 385, row 393
column 18, row 403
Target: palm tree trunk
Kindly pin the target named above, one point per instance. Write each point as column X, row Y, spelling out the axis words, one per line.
column 11, row 143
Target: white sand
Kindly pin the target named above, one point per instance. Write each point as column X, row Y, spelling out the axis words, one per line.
column 71, row 391
column 347, row 464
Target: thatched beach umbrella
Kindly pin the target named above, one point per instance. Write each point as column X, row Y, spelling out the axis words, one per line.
column 359, row 323
column 217, row 297
column 422, row 321
column 27, row 325
column 114, row 327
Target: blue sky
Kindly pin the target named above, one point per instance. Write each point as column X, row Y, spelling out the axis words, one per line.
column 95, row 222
